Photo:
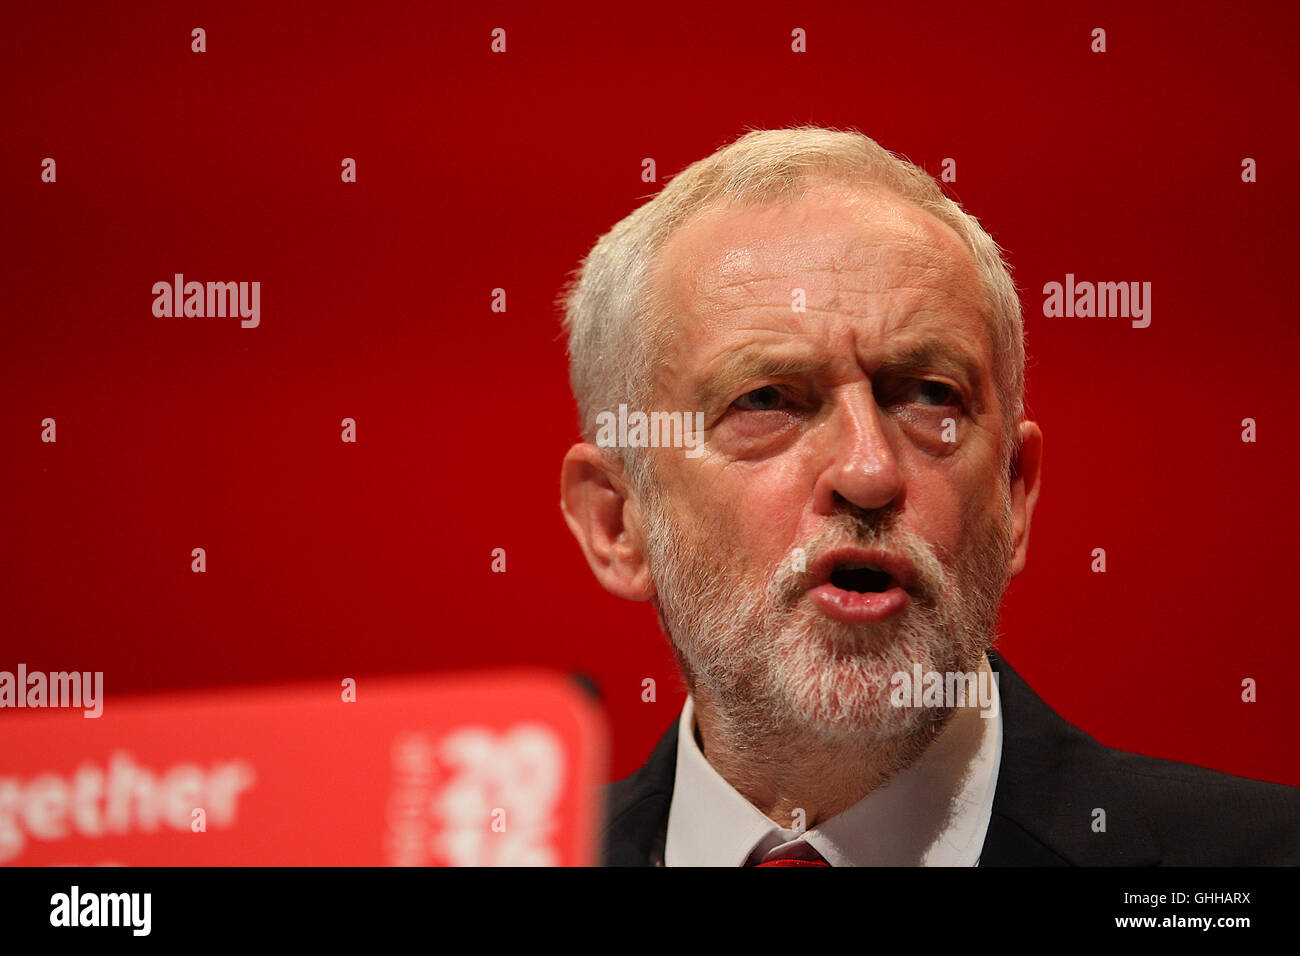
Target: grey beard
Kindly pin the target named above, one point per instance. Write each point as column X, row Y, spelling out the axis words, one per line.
column 780, row 676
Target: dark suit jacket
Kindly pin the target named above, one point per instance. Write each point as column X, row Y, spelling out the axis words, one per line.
column 1051, row 777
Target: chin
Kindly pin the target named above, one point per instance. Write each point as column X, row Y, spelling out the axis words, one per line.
column 834, row 679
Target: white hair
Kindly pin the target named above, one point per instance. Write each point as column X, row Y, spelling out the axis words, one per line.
column 609, row 312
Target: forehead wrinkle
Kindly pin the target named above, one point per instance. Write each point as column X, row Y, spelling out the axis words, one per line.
column 775, row 319
column 843, row 244
column 711, row 273
column 783, row 305
column 906, row 258
column 915, row 282
column 866, row 320
column 886, row 275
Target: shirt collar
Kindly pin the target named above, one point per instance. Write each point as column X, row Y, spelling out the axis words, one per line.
column 934, row 813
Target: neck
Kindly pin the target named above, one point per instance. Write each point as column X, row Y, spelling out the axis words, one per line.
column 795, row 775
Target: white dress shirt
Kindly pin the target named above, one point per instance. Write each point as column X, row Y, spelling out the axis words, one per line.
column 934, row 813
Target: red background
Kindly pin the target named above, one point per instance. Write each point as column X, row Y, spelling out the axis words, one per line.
column 478, row 170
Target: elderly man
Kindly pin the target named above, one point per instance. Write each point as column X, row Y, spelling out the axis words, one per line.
column 841, row 533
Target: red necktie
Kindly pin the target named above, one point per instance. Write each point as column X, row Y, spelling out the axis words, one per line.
column 794, row 863
column 801, row 854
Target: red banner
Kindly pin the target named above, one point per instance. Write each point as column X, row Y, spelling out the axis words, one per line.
column 483, row 770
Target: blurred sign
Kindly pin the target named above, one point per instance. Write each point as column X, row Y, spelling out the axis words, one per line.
column 475, row 770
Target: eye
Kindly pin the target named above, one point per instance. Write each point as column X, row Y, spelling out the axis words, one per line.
column 936, row 393
column 765, row 399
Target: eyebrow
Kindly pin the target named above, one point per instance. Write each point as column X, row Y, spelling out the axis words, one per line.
column 940, row 356
column 749, row 366
column 753, row 365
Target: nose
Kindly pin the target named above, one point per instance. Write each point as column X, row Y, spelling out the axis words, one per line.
column 861, row 466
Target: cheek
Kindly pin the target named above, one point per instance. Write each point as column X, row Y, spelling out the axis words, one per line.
column 980, row 509
column 943, row 511
column 752, row 511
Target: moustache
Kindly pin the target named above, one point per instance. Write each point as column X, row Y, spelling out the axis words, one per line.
column 794, row 576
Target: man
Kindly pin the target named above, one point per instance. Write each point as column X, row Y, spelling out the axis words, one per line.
column 851, row 343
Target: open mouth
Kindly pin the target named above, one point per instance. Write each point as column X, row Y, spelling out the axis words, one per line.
column 861, row 578
column 861, row 586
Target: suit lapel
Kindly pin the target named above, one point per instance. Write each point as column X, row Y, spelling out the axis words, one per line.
column 1052, row 781
column 636, row 809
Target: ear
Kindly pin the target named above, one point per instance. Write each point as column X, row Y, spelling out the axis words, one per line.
column 604, row 515
column 1026, row 474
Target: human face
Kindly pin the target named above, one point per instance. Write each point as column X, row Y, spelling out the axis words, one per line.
column 865, row 429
